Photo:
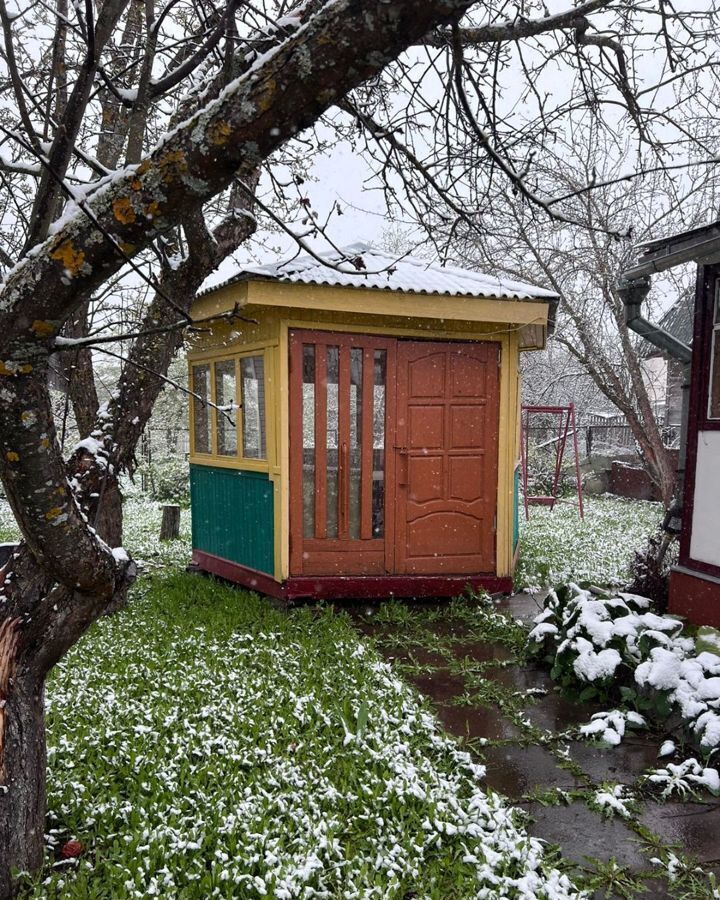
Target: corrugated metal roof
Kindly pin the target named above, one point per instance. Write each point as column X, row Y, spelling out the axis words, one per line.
column 362, row 266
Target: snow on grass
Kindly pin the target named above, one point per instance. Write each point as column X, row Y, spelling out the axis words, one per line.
column 203, row 744
column 141, row 519
column 557, row 546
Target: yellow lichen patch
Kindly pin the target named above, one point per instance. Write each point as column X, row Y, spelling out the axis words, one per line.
column 171, row 165
column 268, row 97
column 143, row 167
column 70, row 258
column 53, row 513
column 4, row 370
column 42, row 327
column 127, row 249
column 45, row 443
column 219, row 133
column 123, row 210
column 152, row 209
column 136, row 184
column 25, row 369
column 12, row 456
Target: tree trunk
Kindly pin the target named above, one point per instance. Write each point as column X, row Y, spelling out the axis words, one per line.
column 170, row 525
column 22, row 777
column 22, row 683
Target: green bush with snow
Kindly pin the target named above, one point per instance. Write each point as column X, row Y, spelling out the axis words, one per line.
column 614, row 647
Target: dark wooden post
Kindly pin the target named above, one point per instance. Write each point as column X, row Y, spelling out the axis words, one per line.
column 170, row 525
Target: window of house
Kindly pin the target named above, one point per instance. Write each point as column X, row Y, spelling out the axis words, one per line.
column 201, row 408
column 252, row 375
column 226, row 412
column 714, row 398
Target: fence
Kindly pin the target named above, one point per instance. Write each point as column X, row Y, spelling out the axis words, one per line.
column 602, row 436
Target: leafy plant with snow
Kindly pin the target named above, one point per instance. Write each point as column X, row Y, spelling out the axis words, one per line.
column 609, row 727
column 683, row 779
column 615, row 647
column 613, row 800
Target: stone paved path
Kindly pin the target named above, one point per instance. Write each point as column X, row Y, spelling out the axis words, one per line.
column 513, row 720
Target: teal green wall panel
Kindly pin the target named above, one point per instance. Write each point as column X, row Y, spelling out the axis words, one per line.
column 232, row 515
column 516, row 509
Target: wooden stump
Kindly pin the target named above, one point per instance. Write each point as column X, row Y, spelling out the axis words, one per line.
column 170, row 525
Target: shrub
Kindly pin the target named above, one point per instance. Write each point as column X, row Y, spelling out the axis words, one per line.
column 166, row 480
column 614, row 647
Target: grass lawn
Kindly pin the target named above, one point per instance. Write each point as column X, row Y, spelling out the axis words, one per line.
column 203, row 743
column 557, row 546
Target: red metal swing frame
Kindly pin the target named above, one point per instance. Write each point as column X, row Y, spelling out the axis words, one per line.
column 566, row 423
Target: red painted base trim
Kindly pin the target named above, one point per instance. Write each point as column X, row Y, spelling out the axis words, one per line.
column 232, row 571
column 370, row 587
column 695, row 596
column 355, row 587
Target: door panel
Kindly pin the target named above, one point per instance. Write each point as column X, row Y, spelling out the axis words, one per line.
column 340, row 400
column 447, row 457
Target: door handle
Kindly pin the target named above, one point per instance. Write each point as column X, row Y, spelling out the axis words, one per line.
column 343, row 488
column 402, row 476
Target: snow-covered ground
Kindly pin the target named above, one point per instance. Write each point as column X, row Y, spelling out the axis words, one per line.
column 204, row 744
column 557, row 546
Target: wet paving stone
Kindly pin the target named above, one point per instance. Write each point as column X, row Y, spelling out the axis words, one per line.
column 553, row 712
column 515, row 770
column 582, row 833
column 476, row 722
column 695, row 827
column 440, row 687
column 522, row 606
column 621, row 764
column 519, row 679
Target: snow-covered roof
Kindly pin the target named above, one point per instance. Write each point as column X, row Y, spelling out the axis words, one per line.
column 363, row 266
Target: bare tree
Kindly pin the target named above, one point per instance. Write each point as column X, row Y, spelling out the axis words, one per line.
column 583, row 263
column 224, row 90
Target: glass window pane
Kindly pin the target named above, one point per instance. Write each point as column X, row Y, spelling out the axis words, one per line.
column 253, row 406
column 378, row 486
column 308, row 440
column 333, row 371
column 356, row 438
column 714, row 405
column 201, row 408
column 226, row 401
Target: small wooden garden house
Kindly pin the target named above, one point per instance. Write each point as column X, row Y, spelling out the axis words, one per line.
column 361, row 438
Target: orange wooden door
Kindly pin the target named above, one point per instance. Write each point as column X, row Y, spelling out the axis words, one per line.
column 446, row 457
column 341, row 400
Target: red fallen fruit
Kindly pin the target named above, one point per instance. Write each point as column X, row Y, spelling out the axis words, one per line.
column 71, row 850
